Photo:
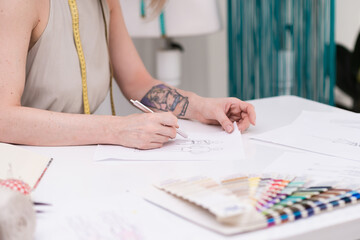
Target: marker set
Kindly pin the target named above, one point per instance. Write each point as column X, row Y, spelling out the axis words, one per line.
column 278, row 199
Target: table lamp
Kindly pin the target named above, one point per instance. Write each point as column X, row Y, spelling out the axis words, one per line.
column 179, row 18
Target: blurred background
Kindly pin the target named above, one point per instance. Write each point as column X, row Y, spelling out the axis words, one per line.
column 251, row 48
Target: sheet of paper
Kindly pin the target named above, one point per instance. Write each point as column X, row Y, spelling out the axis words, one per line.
column 120, row 216
column 22, row 164
column 217, row 145
column 316, row 167
column 336, row 119
column 89, row 219
column 329, row 134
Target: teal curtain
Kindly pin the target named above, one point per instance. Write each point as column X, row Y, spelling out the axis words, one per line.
column 282, row 47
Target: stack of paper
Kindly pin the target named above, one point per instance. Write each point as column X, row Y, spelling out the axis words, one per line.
column 335, row 134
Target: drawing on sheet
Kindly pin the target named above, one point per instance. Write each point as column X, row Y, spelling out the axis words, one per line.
column 197, row 146
column 104, row 225
column 346, row 123
column 193, row 146
column 343, row 141
column 346, row 141
column 346, row 171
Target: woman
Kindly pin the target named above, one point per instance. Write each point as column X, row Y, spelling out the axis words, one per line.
column 41, row 80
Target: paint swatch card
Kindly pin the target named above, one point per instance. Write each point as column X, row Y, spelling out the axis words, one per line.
column 241, row 203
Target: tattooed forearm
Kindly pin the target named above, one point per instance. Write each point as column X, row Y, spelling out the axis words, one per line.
column 164, row 98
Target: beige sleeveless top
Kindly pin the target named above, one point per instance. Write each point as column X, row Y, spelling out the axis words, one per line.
column 53, row 76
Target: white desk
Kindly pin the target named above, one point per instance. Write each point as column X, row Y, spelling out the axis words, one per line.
column 73, row 175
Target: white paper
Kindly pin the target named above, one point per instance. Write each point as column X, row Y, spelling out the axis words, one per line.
column 91, row 219
column 336, row 119
column 217, row 145
column 117, row 217
column 316, row 167
column 326, row 133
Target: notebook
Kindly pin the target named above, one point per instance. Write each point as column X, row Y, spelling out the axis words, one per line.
column 22, row 164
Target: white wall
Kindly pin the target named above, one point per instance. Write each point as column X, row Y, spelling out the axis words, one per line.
column 347, row 27
column 347, row 24
column 205, row 69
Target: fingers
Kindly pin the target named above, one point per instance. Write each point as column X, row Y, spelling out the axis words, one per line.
column 211, row 122
column 166, row 124
column 243, row 124
column 225, row 122
column 166, row 131
column 150, row 146
column 150, row 141
column 159, row 139
column 249, row 110
column 147, row 131
column 167, row 119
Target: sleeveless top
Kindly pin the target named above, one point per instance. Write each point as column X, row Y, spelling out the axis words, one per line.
column 53, row 75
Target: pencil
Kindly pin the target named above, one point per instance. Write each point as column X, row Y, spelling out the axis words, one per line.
column 145, row 109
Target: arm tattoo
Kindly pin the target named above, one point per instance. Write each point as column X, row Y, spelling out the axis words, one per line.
column 164, row 98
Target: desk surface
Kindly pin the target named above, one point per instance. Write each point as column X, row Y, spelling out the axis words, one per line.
column 74, row 176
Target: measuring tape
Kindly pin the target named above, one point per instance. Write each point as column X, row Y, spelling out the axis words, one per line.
column 161, row 17
column 76, row 32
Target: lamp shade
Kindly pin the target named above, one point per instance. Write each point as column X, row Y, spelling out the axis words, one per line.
column 182, row 18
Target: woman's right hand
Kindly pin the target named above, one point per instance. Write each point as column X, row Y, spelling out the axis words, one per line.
column 144, row 131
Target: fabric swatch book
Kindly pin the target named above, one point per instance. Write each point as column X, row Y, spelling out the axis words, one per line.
column 22, row 164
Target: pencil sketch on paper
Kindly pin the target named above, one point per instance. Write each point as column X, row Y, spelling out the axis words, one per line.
column 349, row 171
column 202, row 146
column 346, row 123
column 346, row 141
column 193, row 146
column 342, row 141
column 197, row 146
column 103, row 225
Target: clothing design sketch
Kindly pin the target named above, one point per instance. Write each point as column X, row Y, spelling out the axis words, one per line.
column 193, row 146
column 197, row 146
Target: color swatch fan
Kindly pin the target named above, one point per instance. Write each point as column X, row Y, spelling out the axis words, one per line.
column 244, row 203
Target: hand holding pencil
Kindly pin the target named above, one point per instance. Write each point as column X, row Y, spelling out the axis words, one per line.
column 145, row 109
column 143, row 131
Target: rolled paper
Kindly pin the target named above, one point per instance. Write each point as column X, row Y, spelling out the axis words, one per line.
column 17, row 216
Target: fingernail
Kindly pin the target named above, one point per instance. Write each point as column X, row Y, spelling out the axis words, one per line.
column 228, row 128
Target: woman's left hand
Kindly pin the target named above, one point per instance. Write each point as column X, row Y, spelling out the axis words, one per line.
column 225, row 111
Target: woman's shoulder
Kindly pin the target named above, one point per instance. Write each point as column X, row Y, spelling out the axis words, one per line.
column 19, row 9
column 32, row 15
column 42, row 17
column 18, row 16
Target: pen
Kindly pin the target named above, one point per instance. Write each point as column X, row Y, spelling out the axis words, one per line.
column 144, row 108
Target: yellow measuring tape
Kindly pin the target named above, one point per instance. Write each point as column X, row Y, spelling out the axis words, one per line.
column 75, row 26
